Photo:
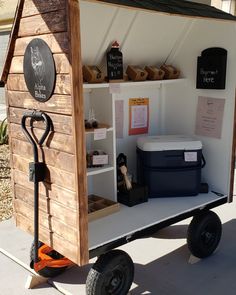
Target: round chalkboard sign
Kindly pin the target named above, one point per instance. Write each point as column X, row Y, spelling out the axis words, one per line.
column 39, row 70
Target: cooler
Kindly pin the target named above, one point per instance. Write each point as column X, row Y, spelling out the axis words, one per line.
column 169, row 165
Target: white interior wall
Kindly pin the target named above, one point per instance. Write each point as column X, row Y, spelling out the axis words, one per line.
column 150, row 38
column 181, row 102
column 144, row 38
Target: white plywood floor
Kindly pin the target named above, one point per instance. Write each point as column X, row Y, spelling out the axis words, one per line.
column 131, row 219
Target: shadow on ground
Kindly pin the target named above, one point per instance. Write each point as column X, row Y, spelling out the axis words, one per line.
column 171, row 274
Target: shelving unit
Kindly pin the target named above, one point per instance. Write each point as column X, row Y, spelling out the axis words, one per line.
column 101, row 101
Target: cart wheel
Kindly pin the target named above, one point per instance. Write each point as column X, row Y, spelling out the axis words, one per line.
column 48, row 272
column 204, row 234
column 112, row 274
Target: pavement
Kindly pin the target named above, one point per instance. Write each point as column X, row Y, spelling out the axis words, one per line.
column 162, row 263
column 3, row 113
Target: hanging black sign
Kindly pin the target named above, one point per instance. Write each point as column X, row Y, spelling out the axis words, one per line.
column 115, row 63
column 39, row 70
column 211, row 68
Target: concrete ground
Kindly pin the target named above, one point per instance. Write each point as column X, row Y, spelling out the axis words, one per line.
column 162, row 264
column 3, row 113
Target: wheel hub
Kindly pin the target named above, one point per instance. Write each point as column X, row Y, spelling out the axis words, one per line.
column 116, row 282
column 208, row 237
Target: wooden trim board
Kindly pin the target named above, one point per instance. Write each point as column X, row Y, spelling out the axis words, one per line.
column 78, row 128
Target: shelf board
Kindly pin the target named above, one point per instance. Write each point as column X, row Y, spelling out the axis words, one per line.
column 100, row 126
column 131, row 83
column 95, row 171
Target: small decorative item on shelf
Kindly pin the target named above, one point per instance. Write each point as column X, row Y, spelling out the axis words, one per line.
column 96, row 159
column 154, row 73
column 170, row 72
column 91, row 122
column 92, row 74
column 136, row 73
column 129, row 193
column 99, row 207
column 115, row 63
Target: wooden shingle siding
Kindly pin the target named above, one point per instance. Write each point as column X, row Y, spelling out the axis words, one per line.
column 60, row 202
column 61, row 123
column 54, row 192
column 16, row 82
column 59, row 104
column 61, row 63
column 56, row 241
column 55, row 158
column 52, row 22
column 58, row 43
column 57, row 141
column 33, row 7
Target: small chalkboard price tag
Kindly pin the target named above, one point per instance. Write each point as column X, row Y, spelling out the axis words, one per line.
column 115, row 63
column 211, row 68
column 39, row 70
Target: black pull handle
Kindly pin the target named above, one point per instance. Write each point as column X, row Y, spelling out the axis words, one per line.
column 203, row 162
column 37, row 116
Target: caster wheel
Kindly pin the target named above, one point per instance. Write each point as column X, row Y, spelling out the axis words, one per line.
column 48, row 272
column 204, row 234
column 112, row 274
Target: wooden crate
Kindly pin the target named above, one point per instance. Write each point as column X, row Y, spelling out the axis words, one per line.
column 99, row 207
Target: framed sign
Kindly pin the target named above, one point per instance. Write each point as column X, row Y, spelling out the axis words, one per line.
column 211, row 68
column 115, row 63
column 138, row 116
column 39, row 70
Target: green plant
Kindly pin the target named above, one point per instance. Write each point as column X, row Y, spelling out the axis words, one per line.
column 3, row 132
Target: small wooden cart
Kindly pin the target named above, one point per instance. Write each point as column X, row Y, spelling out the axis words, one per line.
column 79, row 33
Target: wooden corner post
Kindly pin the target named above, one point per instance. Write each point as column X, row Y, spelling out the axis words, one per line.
column 73, row 24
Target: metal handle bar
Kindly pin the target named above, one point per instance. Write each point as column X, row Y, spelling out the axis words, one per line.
column 37, row 116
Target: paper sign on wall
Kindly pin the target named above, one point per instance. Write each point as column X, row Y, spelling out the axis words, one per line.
column 119, row 107
column 209, row 119
column 100, row 133
column 138, row 115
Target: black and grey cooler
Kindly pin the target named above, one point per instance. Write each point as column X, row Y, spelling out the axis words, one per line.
column 170, row 165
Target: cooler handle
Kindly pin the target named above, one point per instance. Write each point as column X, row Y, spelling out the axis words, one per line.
column 203, row 162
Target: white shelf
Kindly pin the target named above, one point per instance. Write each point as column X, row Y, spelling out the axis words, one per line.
column 131, row 83
column 95, row 171
column 87, row 131
column 131, row 219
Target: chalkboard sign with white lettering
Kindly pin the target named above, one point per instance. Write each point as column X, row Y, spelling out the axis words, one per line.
column 211, row 68
column 115, row 63
column 39, row 70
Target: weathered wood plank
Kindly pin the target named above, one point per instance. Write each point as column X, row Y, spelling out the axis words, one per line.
column 78, row 125
column 61, row 123
column 53, row 175
column 55, row 241
column 58, row 159
column 39, row 6
column 57, row 212
column 60, row 104
column 16, row 82
column 58, row 43
column 61, row 63
column 52, row 191
column 57, row 141
column 51, row 22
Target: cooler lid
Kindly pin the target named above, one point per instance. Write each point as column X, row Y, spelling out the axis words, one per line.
column 168, row 142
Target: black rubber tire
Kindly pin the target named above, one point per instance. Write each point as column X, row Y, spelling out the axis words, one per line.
column 48, row 272
column 204, row 234
column 112, row 274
